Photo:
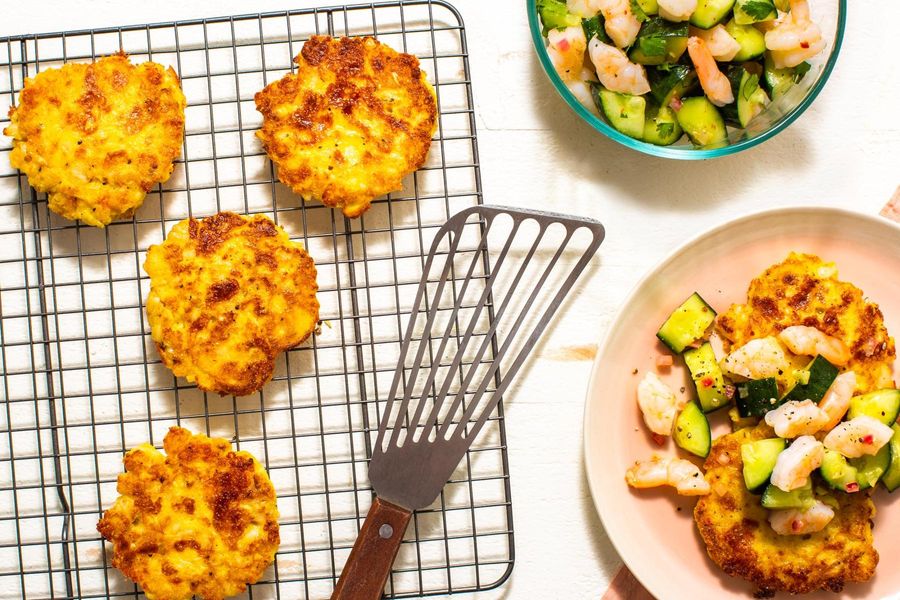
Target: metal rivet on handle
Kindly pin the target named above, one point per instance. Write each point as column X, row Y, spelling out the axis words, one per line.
column 386, row 531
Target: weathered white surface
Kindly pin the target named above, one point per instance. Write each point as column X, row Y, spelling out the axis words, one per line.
column 845, row 151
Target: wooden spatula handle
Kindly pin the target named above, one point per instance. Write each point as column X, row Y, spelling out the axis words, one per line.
column 369, row 564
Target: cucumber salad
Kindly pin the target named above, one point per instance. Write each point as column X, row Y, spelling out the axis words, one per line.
column 822, row 438
column 658, row 69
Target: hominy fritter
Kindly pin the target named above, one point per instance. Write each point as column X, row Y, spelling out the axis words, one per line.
column 227, row 295
column 96, row 137
column 805, row 290
column 739, row 539
column 355, row 118
column 200, row 520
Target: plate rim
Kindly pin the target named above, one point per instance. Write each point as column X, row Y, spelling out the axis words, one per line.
column 834, row 212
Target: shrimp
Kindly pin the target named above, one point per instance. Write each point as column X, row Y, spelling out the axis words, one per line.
column 714, row 83
column 858, row 436
column 809, row 341
column 615, row 71
column 621, row 25
column 566, row 50
column 794, row 521
column 793, row 419
column 757, row 359
column 683, row 475
column 677, row 10
column 581, row 89
column 793, row 466
column 795, row 38
column 583, row 8
column 836, row 400
column 658, row 404
column 721, row 44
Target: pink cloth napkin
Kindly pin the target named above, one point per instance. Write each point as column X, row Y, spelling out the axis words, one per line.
column 625, row 587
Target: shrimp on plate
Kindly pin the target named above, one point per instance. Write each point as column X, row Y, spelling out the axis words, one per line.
column 793, row 419
column 836, row 401
column 757, row 359
column 809, row 341
column 677, row 10
column 713, row 81
column 683, row 475
column 795, row 521
column 858, row 436
column 794, row 464
column 658, row 404
column 615, row 71
column 794, row 38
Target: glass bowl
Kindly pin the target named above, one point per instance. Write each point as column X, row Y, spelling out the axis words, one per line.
column 830, row 15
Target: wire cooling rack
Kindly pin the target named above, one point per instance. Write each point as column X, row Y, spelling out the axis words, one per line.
column 82, row 382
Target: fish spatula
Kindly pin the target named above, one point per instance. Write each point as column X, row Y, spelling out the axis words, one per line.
column 437, row 407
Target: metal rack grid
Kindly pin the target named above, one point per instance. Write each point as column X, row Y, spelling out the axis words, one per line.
column 82, row 382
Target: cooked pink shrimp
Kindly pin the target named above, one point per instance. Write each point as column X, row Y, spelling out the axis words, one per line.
column 721, row 45
column 809, row 341
column 858, row 436
column 757, row 359
column 836, row 401
column 793, row 419
column 658, row 404
column 615, row 71
column 566, row 50
column 683, row 475
column 714, row 83
column 677, row 10
column 621, row 25
column 794, row 38
column 794, row 464
column 794, row 521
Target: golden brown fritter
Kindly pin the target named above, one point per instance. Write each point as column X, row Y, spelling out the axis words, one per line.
column 227, row 295
column 354, row 120
column 804, row 290
column 201, row 520
column 97, row 137
column 738, row 537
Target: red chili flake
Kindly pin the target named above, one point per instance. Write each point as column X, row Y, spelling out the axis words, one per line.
column 851, row 487
column 659, row 439
column 563, row 45
column 804, row 45
column 707, row 381
column 868, row 439
column 797, row 525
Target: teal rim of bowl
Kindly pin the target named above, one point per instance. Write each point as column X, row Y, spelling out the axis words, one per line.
column 667, row 151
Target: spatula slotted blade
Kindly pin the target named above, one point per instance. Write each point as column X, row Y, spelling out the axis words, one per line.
column 465, row 320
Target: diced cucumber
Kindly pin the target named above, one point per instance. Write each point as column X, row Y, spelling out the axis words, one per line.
column 661, row 126
column 701, row 121
column 747, row 12
column 624, row 112
column 659, row 41
column 779, row 81
column 821, row 375
column 595, row 27
column 756, row 397
column 738, row 422
column 883, row 405
column 751, row 40
column 707, row 376
column 650, row 7
column 687, row 323
column 555, row 15
column 691, row 431
column 751, row 98
column 676, row 81
column 775, row 498
column 859, row 473
column 710, row 13
column 759, row 460
column 891, row 477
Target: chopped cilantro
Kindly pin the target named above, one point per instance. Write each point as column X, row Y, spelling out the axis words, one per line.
column 758, row 10
column 593, row 27
column 665, row 129
column 638, row 11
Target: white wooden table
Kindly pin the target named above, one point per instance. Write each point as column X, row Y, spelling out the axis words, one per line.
column 844, row 151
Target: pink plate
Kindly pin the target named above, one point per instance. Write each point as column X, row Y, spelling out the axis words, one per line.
column 653, row 530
